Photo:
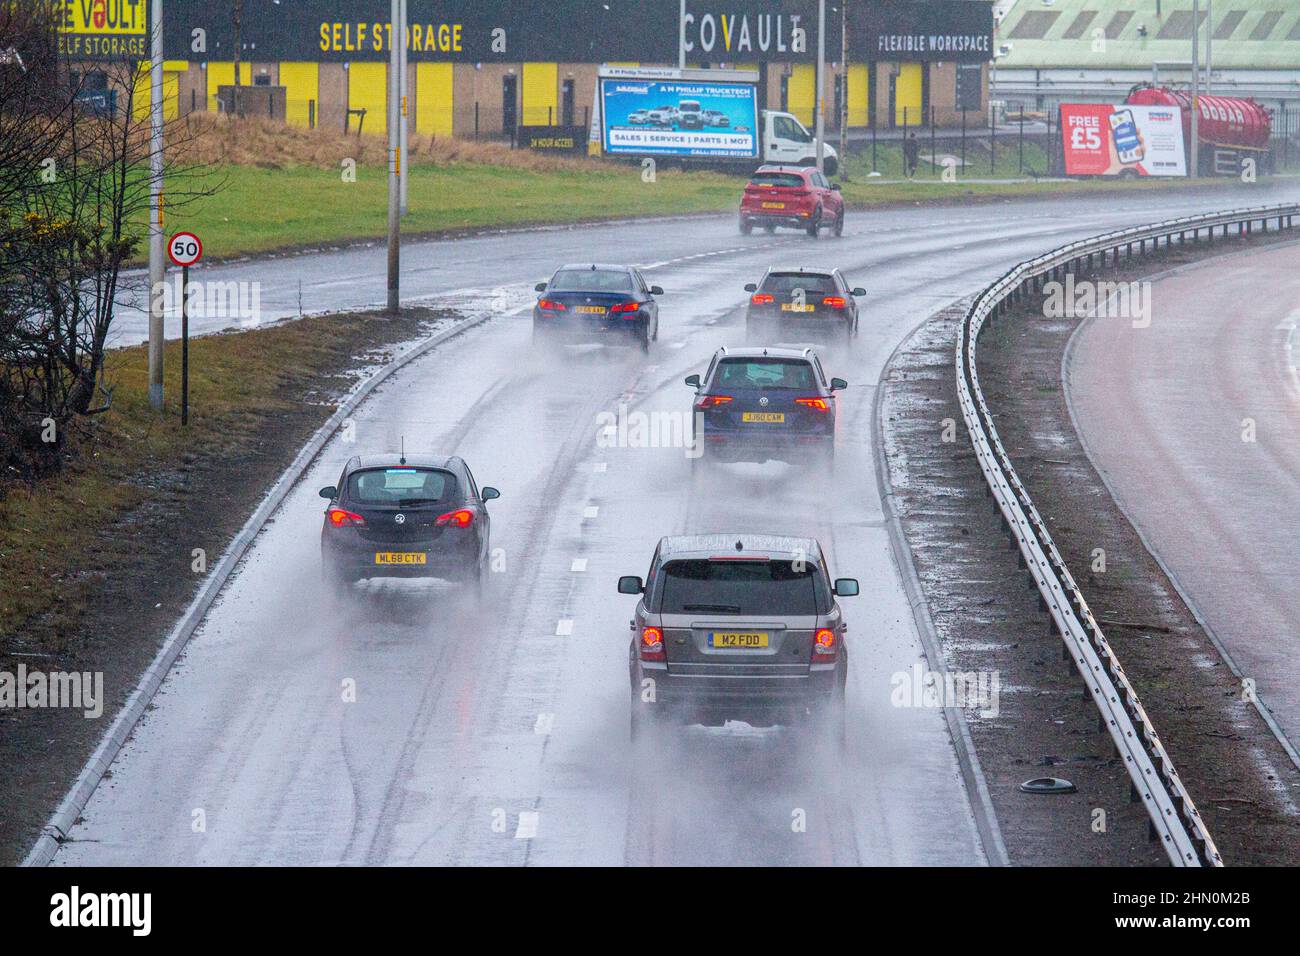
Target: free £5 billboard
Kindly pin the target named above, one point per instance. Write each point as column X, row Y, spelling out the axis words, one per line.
column 1101, row 139
column 686, row 118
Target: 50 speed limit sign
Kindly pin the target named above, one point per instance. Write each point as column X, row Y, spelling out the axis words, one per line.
column 185, row 249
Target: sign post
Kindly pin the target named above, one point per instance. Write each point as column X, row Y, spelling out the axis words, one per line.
column 185, row 250
column 157, row 268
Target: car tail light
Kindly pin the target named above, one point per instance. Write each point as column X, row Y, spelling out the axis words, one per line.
column 762, row 298
column 626, row 307
column 340, row 518
column 712, row 401
column 817, row 404
column 652, row 644
column 834, row 301
column 824, row 643
column 551, row 306
column 461, row 518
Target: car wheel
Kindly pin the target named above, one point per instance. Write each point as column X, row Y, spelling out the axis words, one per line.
column 746, row 227
column 815, row 224
column 839, row 224
column 770, row 229
column 644, row 339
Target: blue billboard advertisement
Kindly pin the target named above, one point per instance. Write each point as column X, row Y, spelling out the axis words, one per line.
column 680, row 118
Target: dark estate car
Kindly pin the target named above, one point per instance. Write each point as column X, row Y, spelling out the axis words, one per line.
column 796, row 196
column 741, row 627
column 802, row 301
column 596, row 302
column 406, row 516
column 755, row 404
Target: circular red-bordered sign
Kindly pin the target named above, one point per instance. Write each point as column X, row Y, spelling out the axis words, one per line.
column 184, row 249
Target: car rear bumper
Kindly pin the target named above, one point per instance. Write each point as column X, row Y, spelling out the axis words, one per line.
column 595, row 330
column 765, row 218
column 716, row 698
column 449, row 559
column 798, row 321
column 746, row 446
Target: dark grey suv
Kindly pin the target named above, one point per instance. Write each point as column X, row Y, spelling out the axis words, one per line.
column 738, row 626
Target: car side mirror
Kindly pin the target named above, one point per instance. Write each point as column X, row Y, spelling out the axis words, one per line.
column 859, row 291
column 540, row 287
column 656, row 290
column 837, row 384
column 846, row 587
column 329, row 493
column 693, row 381
column 491, row 494
column 751, row 286
column 630, row 584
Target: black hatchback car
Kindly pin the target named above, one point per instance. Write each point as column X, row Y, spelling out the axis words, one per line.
column 597, row 302
column 738, row 627
column 756, row 404
column 804, row 303
column 406, row 516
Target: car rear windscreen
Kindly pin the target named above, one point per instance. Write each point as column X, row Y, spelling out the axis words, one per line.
column 589, row 280
column 787, row 283
column 724, row 587
column 788, row 180
column 401, row 487
column 765, row 373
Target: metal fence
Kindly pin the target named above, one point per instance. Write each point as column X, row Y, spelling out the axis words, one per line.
column 1174, row 819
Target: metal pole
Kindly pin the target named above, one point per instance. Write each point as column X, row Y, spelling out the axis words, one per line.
column 185, row 346
column 821, row 86
column 844, row 87
column 1195, row 171
column 157, row 262
column 1209, row 46
column 405, row 123
column 681, row 38
column 394, row 166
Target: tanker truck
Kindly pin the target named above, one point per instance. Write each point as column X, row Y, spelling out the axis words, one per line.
column 1231, row 128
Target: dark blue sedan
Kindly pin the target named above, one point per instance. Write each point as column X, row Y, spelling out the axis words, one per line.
column 597, row 303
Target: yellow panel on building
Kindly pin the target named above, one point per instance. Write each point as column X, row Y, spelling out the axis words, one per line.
column 859, row 95
column 143, row 98
column 368, row 90
column 434, row 98
column 301, row 82
column 223, row 74
column 908, row 95
column 540, row 94
column 801, row 91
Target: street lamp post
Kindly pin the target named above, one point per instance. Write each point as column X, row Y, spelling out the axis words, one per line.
column 395, row 159
column 1195, row 171
column 821, row 80
column 157, row 265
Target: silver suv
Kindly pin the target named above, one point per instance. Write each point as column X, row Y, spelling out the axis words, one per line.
column 742, row 627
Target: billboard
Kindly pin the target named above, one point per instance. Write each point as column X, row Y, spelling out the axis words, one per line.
column 1099, row 139
column 104, row 29
column 679, row 117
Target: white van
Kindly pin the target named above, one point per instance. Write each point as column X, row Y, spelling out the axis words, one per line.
column 787, row 141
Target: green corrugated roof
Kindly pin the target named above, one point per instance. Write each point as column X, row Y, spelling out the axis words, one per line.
column 1259, row 34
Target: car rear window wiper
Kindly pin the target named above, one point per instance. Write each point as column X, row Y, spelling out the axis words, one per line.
column 719, row 608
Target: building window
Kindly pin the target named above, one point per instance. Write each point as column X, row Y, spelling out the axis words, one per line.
column 1117, row 24
column 1081, row 23
column 1266, row 24
column 1034, row 25
column 1228, row 25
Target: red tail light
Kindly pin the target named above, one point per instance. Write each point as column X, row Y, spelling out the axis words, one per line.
column 550, row 306
column 712, row 401
column 626, row 307
column 762, row 298
column 824, row 643
column 344, row 519
column 652, row 644
column 817, row 404
column 835, row 301
column 462, row 518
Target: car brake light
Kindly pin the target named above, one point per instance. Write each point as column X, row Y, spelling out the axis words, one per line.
column 834, row 301
column 713, row 401
column 551, row 306
column 824, row 643
column 626, row 307
column 762, row 298
column 819, row 404
column 461, row 518
column 652, row 644
column 343, row 519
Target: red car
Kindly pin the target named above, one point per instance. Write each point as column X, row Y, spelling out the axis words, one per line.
column 795, row 196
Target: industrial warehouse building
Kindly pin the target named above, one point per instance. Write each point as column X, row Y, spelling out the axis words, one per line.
column 484, row 67
column 1050, row 51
